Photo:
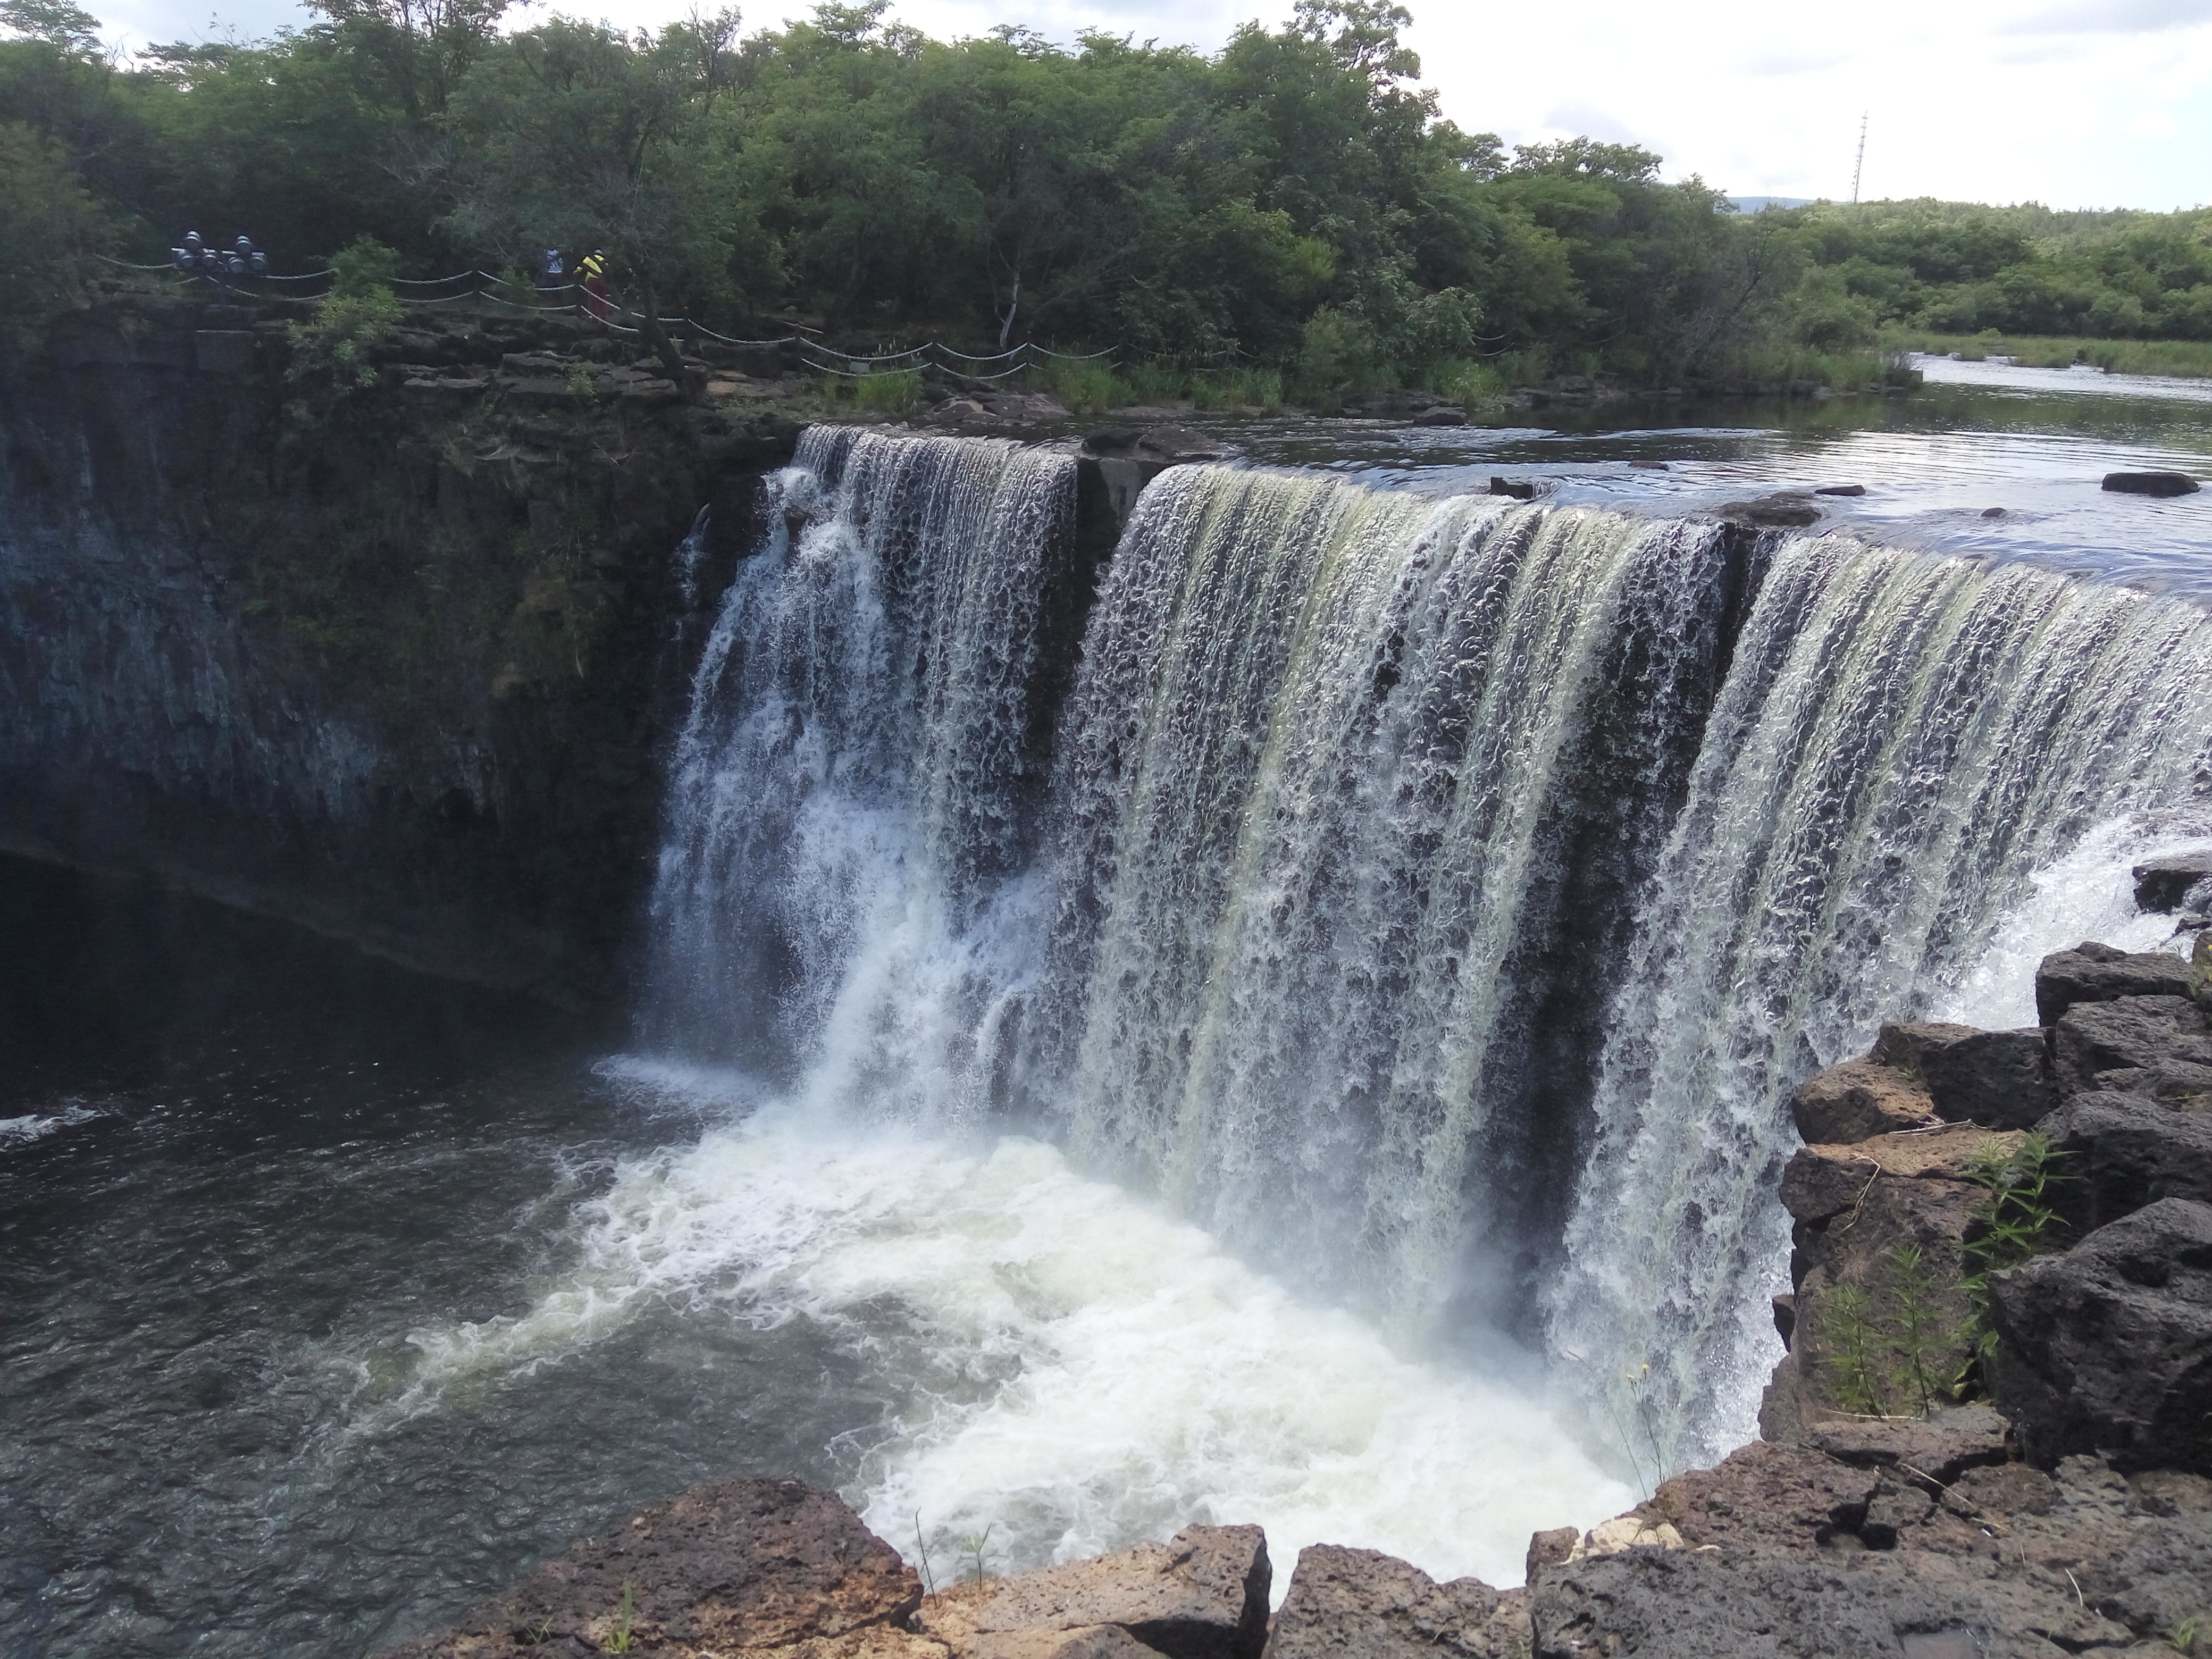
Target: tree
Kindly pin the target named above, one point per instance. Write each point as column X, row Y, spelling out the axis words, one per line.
column 65, row 27
column 421, row 48
column 54, row 229
column 574, row 134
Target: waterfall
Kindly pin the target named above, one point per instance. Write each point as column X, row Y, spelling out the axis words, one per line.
column 1322, row 871
column 1437, row 899
column 859, row 764
column 1903, row 741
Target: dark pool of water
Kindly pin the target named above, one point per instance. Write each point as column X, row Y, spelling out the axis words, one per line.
column 218, row 1226
column 204, row 1293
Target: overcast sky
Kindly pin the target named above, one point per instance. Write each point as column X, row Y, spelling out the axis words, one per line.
column 2074, row 103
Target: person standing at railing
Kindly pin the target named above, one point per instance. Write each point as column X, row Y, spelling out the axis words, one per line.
column 593, row 269
column 552, row 277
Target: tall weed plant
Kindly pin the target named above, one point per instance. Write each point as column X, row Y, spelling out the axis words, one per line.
column 2015, row 1220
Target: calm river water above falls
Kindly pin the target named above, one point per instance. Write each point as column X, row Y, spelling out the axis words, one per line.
column 317, row 1325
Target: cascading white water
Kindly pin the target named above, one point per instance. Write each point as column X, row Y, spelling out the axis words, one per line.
column 1902, row 741
column 1437, row 899
column 848, row 787
column 1311, row 797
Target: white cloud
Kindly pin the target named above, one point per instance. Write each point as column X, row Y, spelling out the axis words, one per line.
column 1787, row 62
column 2115, row 17
column 1585, row 121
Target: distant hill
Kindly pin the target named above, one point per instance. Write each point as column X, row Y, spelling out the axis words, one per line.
column 1760, row 203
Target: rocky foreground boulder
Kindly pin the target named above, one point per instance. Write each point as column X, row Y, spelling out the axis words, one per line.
column 1915, row 1541
column 733, row 1567
column 775, row 1567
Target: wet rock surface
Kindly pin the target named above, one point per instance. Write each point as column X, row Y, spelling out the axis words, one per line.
column 2124, row 1151
column 2102, row 1340
column 2150, row 484
column 2107, row 1347
column 733, row 1567
column 1125, row 459
column 1856, row 1100
column 2159, row 1045
column 2161, row 884
column 1407, row 409
column 2096, row 973
column 389, row 663
column 1786, row 509
column 1790, row 1550
column 1344, row 1602
column 1999, row 1080
column 763, row 1566
column 1202, row 1595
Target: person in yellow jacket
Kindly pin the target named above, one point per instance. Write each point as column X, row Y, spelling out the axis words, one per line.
column 593, row 271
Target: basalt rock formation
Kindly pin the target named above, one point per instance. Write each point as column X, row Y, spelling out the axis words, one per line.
column 2103, row 1339
column 393, row 660
column 760, row 1566
column 1919, row 1539
column 387, row 662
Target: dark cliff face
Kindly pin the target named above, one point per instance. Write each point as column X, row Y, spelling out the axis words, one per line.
column 391, row 665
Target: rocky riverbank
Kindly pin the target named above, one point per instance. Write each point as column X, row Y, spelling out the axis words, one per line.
column 2024, row 1214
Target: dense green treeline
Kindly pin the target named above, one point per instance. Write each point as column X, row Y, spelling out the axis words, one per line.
column 1293, row 205
column 1953, row 268
column 1292, row 201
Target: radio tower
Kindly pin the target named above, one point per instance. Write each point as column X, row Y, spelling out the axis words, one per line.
column 1859, row 166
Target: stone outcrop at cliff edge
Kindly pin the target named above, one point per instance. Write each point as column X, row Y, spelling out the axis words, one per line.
column 2092, row 1356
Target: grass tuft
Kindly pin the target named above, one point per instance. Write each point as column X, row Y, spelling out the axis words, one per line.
column 894, row 390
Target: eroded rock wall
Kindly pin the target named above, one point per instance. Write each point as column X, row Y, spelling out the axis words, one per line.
column 390, row 663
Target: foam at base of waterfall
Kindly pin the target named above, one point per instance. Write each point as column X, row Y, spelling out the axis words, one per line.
column 36, row 1126
column 1070, row 1367
column 2089, row 894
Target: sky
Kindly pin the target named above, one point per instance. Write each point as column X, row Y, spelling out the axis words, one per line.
column 2072, row 103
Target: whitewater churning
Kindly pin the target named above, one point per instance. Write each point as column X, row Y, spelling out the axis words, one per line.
column 857, row 776
column 1437, row 899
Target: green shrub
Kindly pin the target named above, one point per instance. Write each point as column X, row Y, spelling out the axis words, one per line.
column 359, row 317
column 1470, row 384
column 1824, row 314
column 1339, row 357
column 1086, row 388
column 1237, row 388
column 54, row 229
column 364, row 267
column 1152, row 383
column 897, row 389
